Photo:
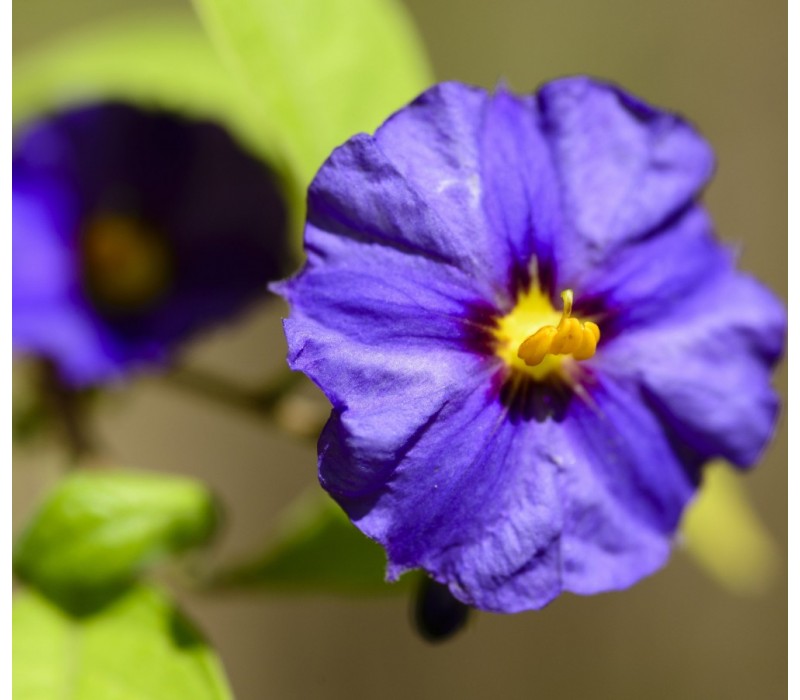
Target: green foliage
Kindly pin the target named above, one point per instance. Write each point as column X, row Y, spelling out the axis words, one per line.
column 138, row 648
column 98, row 529
column 322, row 70
column 156, row 60
column 317, row 550
column 724, row 534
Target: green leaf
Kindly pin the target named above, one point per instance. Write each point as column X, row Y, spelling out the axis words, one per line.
column 159, row 60
column 98, row 529
column 317, row 550
column 322, row 70
column 725, row 536
column 138, row 648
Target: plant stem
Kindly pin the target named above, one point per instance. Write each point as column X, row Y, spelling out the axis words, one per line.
column 67, row 405
column 261, row 403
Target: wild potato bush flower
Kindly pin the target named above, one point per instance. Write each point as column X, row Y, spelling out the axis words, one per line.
column 530, row 336
column 132, row 231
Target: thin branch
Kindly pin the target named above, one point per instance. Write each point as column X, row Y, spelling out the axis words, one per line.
column 262, row 402
column 68, row 407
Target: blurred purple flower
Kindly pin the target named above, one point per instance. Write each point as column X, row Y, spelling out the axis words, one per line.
column 437, row 248
column 132, row 231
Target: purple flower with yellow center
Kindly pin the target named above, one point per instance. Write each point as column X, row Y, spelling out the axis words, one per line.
column 531, row 338
column 134, row 230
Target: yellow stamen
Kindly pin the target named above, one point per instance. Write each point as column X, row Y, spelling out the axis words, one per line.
column 571, row 337
column 567, row 297
column 534, row 348
column 535, row 339
column 589, row 340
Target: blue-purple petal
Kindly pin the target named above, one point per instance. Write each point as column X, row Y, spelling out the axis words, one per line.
column 459, row 499
column 510, row 514
column 460, row 176
column 624, row 168
column 386, row 384
column 623, row 486
column 641, row 283
column 705, row 366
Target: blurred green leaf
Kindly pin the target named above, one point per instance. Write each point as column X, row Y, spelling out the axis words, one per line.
column 322, row 70
column 725, row 536
column 159, row 60
column 139, row 648
column 316, row 549
column 98, row 529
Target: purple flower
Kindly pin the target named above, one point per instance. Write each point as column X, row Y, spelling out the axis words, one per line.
column 513, row 466
column 134, row 230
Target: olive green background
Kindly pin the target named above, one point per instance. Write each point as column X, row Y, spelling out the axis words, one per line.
column 676, row 635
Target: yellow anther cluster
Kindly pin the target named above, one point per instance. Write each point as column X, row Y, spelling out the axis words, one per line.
column 570, row 337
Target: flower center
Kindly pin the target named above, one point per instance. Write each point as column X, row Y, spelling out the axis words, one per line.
column 126, row 265
column 534, row 338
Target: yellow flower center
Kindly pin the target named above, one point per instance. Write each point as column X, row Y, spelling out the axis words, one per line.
column 535, row 339
column 126, row 264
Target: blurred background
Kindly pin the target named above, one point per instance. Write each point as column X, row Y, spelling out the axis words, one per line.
column 676, row 635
